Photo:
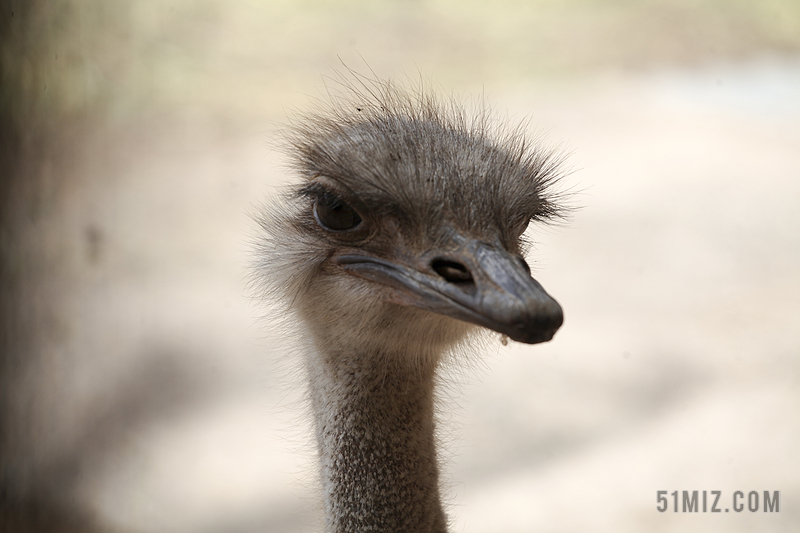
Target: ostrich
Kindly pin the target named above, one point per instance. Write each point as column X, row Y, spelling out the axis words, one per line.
column 403, row 235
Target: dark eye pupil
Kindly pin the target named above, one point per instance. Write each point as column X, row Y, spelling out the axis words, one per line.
column 332, row 213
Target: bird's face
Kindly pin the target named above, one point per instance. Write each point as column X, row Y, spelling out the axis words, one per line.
column 440, row 262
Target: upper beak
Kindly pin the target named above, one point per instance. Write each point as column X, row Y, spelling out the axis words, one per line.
column 478, row 283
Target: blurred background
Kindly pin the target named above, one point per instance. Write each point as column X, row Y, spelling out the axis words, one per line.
column 142, row 390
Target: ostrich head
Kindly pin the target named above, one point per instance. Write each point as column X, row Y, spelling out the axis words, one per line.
column 406, row 226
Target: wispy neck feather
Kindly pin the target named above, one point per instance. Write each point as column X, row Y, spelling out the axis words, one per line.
column 375, row 433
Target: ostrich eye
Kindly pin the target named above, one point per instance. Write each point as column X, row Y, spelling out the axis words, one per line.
column 334, row 214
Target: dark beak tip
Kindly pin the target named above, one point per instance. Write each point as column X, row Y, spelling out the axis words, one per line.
column 541, row 328
column 535, row 336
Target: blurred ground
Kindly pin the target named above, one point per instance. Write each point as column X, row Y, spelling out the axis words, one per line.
column 141, row 390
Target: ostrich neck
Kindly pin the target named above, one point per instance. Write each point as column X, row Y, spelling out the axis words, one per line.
column 375, row 433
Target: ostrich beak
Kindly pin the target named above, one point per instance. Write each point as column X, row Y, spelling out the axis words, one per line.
column 478, row 283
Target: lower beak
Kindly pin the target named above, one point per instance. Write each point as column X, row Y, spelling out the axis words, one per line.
column 478, row 283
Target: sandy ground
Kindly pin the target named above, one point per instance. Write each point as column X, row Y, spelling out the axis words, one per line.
column 162, row 402
column 677, row 367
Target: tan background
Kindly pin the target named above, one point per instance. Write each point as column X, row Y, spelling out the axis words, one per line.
column 141, row 390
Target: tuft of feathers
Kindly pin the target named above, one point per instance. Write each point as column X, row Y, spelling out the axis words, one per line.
column 408, row 153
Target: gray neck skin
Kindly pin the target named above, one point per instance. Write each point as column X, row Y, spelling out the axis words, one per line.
column 375, row 432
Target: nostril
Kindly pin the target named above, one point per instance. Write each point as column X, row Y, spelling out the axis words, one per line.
column 452, row 271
